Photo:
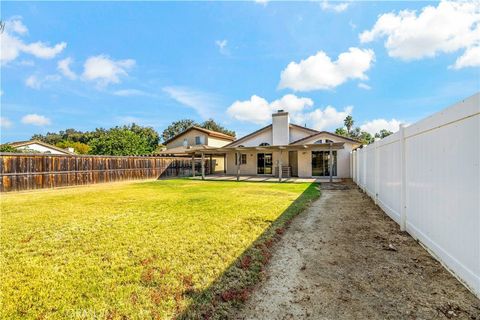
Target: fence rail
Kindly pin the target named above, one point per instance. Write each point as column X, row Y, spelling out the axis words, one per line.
column 20, row 172
column 426, row 177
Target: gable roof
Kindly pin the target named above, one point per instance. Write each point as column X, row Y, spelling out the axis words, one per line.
column 18, row 144
column 326, row 132
column 266, row 128
column 210, row 133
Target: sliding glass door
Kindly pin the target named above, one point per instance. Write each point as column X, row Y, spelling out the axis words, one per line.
column 264, row 163
column 320, row 166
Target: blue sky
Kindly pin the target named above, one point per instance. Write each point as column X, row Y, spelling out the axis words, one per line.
column 87, row 65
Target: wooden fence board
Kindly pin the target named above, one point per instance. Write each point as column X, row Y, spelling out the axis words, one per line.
column 20, row 172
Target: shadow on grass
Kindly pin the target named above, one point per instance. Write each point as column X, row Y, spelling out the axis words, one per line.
column 226, row 295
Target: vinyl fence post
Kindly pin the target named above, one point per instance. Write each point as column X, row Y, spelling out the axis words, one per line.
column 364, row 160
column 377, row 169
column 403, row 184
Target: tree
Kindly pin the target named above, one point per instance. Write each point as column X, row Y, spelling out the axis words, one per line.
column 120, row 141
column 366, row 137
column 210, row 124
column 78, row 147
column 341, row 132
column 383, row 133
column 8, row 148
column 177, row 127
column 348, row 122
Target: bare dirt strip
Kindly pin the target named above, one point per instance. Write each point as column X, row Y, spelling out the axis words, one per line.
column 343, row 258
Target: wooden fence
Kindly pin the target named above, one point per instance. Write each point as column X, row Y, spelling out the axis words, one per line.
column 37, row 171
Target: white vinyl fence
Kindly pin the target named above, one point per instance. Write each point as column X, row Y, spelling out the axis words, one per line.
column 426, row 177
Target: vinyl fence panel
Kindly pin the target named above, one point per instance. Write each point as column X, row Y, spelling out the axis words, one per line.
column 427, row 177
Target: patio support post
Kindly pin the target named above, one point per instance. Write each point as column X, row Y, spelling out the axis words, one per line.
column 280, row 167
column 403, row 184
column 211, row 166
column 377, row 169
column 330, row 158
column 237, row 155
column 203, row 166
column 193, row 165
column 225, row 163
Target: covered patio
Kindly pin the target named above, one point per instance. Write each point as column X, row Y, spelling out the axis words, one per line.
column 250, row 178
column 282, row 169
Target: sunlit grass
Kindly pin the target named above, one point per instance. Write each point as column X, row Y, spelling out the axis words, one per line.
column 139, row 250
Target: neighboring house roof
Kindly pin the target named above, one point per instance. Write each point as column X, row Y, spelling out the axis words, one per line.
column 326, row 132
column 266, row 128
column 184, row 150
column 18, row 144
column 210, row 133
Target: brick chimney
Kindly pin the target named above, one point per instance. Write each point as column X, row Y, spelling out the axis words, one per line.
column 280, row 128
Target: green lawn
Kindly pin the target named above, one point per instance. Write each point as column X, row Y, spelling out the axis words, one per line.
column 163, row 249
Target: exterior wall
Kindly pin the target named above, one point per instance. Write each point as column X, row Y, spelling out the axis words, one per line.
column 219, row 164
column 280, row 129
column 40, row 148
column 297, row 134
column 426, row 177
column 190, row 136
column 216, row 142
column 265, row 136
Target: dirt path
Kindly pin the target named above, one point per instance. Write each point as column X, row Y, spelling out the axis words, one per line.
column 335, row 262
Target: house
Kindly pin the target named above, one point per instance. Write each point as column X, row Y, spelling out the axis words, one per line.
column 196, row 139
column 283, row 149
column 37, row 146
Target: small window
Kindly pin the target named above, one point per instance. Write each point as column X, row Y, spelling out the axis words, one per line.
column 318, row 141
column 243, row 159
column 185, row 142
column 198, row 140
column 241, row 146
column 328, row 141
column 264, row 144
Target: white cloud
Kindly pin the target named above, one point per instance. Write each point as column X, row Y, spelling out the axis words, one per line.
column 42, row 50
column 104, row 70
column 130, row 93
column 374, row 126
column 36, row 120
column 64, row 67
column 259, row 111
column 12, row 45
column 364, row 86
column 204, row 103
column 319, row 72
column 33, row 82
column 328, row 118
column 262, row 2
column 16, row 25
column 449, row 27
column 5, row 123
column 222, row 46
column 471, row 58
column 338, row 7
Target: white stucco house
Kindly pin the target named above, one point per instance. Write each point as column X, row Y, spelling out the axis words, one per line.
column 40, row 147
column 283, row 149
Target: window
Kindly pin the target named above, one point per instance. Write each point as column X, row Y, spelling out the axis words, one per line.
column 328, row 141
column 243, row 159
column 319, row 141
column 185, row 142
column 199, row 140
column 264, row 144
